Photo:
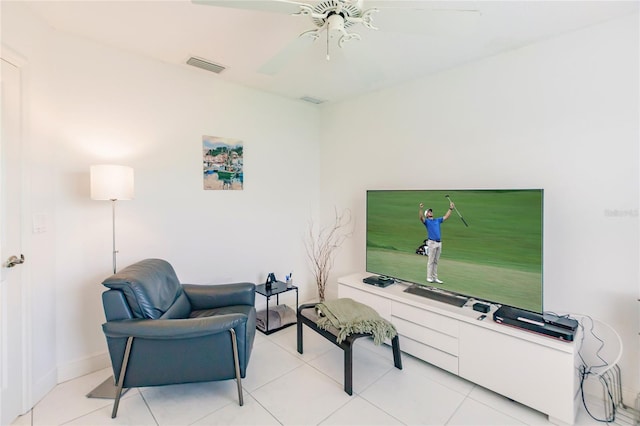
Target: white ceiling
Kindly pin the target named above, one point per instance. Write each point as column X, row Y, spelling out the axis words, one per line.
column 415, row 38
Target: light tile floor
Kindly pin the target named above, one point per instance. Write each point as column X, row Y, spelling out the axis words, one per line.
column 283, row 387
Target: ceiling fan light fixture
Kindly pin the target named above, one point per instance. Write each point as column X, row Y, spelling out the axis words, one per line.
column 325, row 9
column 335, row 22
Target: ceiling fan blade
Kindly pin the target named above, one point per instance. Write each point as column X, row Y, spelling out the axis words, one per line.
column 418, row 5
column 428, row 21
column 277, row 6
column 286, row 55
column 424, row 17
column 362, row 62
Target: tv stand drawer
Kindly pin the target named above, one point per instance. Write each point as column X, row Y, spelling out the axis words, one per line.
column 433, row 321
column 430, row 337
column 429, row 354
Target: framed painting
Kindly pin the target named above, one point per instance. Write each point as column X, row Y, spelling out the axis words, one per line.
column 222, row 161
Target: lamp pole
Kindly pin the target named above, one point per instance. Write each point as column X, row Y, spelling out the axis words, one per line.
column 113, row 227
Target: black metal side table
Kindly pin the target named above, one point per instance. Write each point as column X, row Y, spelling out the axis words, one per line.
column 276, row 289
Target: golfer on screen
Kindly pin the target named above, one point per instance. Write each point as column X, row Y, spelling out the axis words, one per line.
column 434, row 239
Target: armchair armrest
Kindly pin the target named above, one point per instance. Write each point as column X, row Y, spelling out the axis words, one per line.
column 215, row 296
column 173, row 328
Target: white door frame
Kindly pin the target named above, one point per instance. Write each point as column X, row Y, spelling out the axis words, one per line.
column 25, row 348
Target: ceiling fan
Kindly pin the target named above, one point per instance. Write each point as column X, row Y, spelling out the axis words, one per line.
column 335, row 18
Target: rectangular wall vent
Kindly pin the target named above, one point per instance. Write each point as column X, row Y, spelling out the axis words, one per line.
column 312, row 100
column 205, row 65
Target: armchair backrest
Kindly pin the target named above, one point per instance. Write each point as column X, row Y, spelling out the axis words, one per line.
column 151, row 289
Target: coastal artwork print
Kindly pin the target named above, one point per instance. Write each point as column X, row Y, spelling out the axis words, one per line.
column 222, row 160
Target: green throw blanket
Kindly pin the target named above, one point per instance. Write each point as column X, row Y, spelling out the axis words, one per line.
column 349, row 316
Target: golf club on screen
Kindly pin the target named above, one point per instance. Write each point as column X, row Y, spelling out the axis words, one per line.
column 461, row 218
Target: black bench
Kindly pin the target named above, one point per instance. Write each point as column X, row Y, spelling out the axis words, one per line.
column 307, row 315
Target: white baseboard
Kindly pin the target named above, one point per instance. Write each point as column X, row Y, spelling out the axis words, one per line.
column 83, row 367
column 42, row 387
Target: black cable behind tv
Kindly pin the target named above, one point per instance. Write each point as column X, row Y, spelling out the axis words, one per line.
column 439, row 296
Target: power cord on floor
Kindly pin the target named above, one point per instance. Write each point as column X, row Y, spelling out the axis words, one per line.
column 584, row 372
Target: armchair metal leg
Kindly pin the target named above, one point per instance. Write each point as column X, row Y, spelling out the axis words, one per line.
column 123, row 371
column 234, row 344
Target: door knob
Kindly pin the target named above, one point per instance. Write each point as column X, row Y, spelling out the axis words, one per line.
column 14, row 260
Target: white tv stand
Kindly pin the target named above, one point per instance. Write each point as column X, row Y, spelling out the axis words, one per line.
column 533, row 369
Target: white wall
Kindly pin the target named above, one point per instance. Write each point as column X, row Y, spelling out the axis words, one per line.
column 560, row 115
column 90, row 104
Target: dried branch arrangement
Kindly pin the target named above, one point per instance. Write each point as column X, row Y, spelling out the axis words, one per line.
column 321, row 244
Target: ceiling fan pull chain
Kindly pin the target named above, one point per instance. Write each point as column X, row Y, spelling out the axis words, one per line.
column 328, row 57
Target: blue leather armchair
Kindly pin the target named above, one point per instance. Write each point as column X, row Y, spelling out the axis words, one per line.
column 162, row 332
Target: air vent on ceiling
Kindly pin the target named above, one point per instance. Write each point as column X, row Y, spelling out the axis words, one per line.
column 205, row 65
column 312, row 100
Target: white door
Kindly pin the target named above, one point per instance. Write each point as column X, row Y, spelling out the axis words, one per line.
column 11, row 288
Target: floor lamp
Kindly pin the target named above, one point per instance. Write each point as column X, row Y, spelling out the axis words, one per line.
column 112, row 183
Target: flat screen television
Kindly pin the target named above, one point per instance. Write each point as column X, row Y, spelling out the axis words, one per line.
column 491, row 243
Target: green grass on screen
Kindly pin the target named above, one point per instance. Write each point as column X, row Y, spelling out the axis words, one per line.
column 498, row 257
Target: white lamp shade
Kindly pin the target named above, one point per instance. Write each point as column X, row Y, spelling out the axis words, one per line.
column 111, row 182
